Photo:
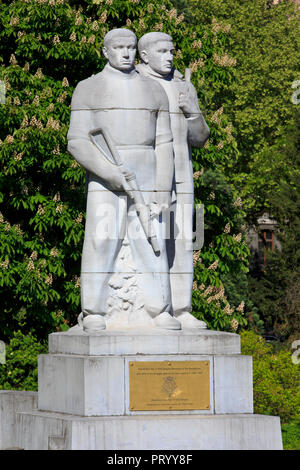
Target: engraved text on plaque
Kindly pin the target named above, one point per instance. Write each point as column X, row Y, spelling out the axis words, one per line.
column 169, row 385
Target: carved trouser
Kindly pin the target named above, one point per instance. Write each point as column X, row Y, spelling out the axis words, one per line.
column 109, row 216
column 180, row 253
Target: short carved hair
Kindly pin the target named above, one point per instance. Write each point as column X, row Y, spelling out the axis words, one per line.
column 117, row 32
column 151, row 38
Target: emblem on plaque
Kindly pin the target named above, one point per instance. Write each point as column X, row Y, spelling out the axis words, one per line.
column 169, row 386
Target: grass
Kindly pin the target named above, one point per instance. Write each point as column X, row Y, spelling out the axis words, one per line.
column 291, row 435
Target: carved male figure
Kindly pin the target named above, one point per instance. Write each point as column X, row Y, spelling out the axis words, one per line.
column 134, row 111
column 189, row 129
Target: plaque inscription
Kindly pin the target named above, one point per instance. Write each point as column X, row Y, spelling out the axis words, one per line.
column 169, row 385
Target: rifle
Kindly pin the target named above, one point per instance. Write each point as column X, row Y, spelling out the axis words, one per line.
column 187, row 75
column 132, row 188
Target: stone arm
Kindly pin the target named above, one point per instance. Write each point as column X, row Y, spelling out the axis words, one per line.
column 84, row 151
column 198, row 131
column 164, row 151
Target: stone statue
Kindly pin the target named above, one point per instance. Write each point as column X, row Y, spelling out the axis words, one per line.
column 120, row 133
column 188, row 129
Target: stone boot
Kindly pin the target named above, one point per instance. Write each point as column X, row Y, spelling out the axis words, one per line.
column 188, row 320
column 93, row 323
column 167, row 321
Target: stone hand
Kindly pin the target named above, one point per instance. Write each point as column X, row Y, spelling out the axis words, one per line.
column 188, row 101
column 117, row 179
column 161, row 202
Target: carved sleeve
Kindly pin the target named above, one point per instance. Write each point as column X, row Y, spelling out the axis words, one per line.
column 198, row 131
column 164, row 144
column 80, row 145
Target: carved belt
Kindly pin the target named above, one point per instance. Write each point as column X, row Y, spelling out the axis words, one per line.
column 134, row 146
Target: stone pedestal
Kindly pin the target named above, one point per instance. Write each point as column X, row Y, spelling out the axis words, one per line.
column 11, row 402
column 84, row 398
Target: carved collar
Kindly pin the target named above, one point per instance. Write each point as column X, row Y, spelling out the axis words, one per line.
column 108, row 69
column 145, row 69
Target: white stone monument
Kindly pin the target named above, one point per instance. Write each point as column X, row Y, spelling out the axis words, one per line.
column 188, row 129
column 139, row 371
column 120, row 133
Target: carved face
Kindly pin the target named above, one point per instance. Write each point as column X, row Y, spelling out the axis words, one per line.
column 120, row 53
column 159, row 57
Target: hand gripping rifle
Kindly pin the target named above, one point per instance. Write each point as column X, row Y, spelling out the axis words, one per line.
column 132, row 188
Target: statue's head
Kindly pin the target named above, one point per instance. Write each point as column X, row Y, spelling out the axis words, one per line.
column 120, row 48
column 156, row 50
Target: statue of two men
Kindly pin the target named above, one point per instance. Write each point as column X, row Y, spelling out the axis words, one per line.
column 132, row 130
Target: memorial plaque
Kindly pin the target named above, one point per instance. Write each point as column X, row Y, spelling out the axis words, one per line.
column 169, row 385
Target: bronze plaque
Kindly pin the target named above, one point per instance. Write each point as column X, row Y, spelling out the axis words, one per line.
column 169, row 385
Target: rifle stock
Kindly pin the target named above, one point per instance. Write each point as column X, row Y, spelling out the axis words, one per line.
column 132, row 189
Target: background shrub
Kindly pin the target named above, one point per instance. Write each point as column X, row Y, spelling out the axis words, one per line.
column 20, row 369
column 276, row 380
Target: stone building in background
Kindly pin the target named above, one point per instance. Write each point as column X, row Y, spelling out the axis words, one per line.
column 263, row 239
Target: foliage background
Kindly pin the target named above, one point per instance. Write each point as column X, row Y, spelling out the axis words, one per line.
column 46, row 47
column 262, row 105
column 244, row 59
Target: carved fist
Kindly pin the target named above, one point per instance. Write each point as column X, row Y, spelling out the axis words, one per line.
column 116, row 180
column 188, row 100
column 161, row 203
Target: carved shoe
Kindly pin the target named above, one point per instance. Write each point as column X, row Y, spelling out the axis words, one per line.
column 188, row 320
column 167, row 321
column 93, row 323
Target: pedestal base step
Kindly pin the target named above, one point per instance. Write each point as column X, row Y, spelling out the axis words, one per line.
column 151, row 341
column 38, row 430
